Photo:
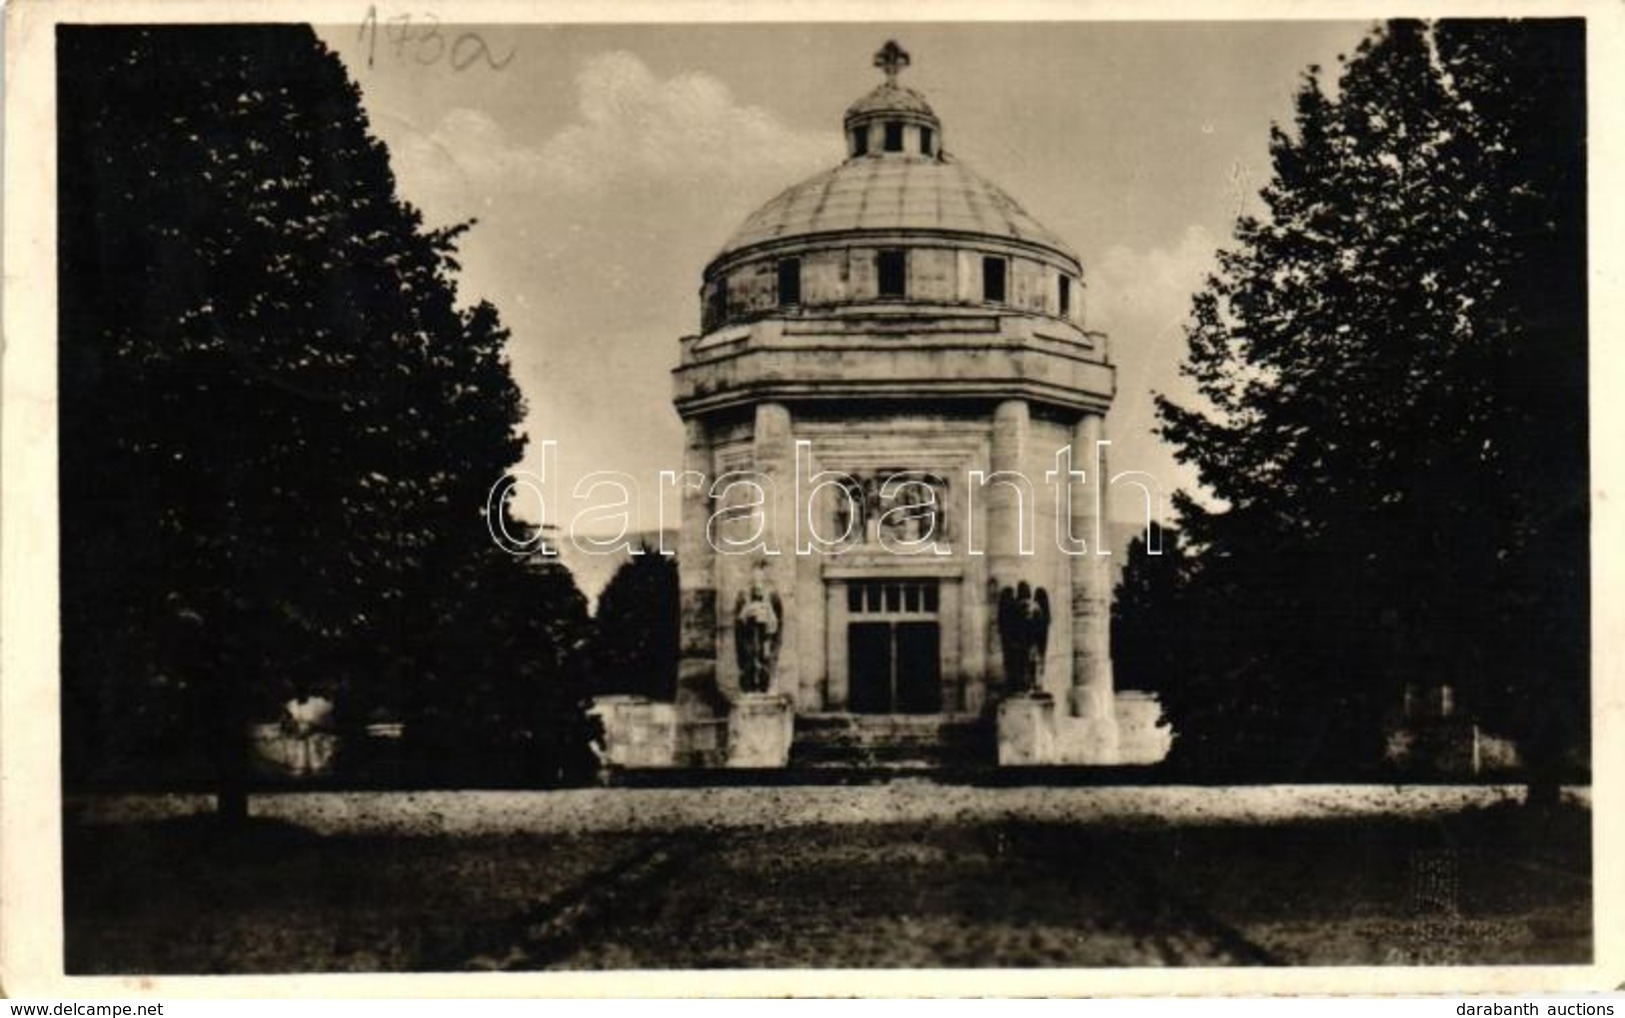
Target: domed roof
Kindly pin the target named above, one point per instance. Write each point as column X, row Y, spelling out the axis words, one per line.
column 890, row 97
column 912, row 193
column 913, row 188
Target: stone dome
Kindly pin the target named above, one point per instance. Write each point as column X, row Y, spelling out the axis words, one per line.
column 890, row 97
column 914, row 193
column 900, row 226
column 897, row 179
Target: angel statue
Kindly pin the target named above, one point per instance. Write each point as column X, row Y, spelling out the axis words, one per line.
column 758, row 629
column 1024, row 633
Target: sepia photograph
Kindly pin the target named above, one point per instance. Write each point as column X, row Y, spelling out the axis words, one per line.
column 895, row 494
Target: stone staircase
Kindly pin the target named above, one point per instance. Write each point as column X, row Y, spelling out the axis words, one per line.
column 892, row 742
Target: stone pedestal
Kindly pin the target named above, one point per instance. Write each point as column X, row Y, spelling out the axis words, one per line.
column 760, row 727
column 1027, row 730
column 1091, row 730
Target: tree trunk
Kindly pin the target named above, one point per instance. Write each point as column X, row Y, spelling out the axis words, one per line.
column 1543, row 756
column 231, row 752
column 1545, row 792
column 231, row 802
column 1545, row 789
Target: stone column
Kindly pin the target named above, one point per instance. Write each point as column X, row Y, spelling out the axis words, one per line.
column 956, row 694
column 697, row 584
column 976, row 655
column 1012, row 424
column 1026, row 720
column 774, row 455
column 835, row 657
column 1092, row 696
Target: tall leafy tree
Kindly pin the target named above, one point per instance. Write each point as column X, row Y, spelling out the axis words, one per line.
column 636, row 635
column 1391, row 430
column 278, row 424
column 1151, row 619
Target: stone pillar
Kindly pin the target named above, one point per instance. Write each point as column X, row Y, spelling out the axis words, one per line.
column 835, row 657
column 975, row 653
column 1092, row 696
column 774, row 456
column 1012, row 424
column 956, row 695
column 697, row 693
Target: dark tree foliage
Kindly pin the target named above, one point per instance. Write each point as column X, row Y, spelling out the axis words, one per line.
column 1150, row 617
column 1392, row 365
column 636, row 632
column 278, row 428
column 504, row 694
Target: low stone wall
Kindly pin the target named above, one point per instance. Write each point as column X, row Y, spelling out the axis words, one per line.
column 1451, row 746
column 637, row 731
column 1142, row 738
column 1032, row 730
column 641, row 733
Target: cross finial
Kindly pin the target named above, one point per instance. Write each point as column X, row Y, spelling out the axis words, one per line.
column 891, row 58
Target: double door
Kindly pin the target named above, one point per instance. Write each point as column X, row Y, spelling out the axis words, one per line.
column 894, row 647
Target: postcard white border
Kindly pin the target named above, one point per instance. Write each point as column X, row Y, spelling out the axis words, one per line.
column 30, row 816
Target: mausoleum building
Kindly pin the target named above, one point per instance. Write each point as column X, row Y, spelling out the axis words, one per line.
column 890, row 533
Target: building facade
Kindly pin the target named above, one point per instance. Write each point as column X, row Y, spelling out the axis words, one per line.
column 893, row 413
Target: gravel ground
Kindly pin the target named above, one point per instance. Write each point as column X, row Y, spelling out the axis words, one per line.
column 176, row 896
column 900, row 875
column 578, row 811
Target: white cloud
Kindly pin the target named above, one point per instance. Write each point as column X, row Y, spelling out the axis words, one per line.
column 1150, row 291
column 634, row 133
column 1142, row 299
column 633, row 124
column 591, row 240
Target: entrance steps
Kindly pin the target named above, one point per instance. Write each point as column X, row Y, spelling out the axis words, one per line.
column 902, row 742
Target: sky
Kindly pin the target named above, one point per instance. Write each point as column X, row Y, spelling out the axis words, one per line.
column 607, row 164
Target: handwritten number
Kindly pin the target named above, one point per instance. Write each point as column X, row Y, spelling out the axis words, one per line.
column 427, row 42
column 370, row 23
column 433, row 30
column 399, row 38
column 469, row 47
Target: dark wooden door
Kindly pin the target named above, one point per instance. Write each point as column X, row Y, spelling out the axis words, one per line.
column 894, row 667
column 917, row 667
column 869, row 652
